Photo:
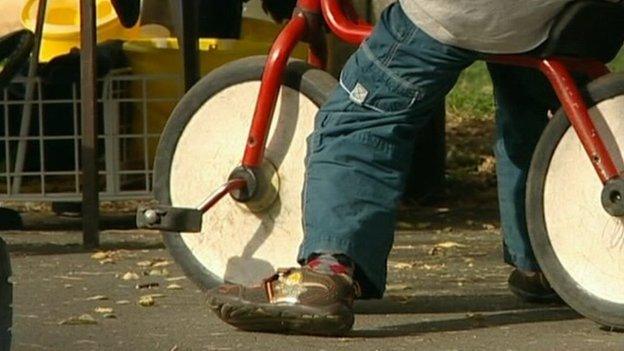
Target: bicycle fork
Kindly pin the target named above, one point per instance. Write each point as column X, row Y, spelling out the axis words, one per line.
column 248, row 181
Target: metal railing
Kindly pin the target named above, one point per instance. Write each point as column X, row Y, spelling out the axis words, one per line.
column 44, row 163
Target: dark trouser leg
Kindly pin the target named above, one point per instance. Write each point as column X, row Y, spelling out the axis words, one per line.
column 523, row 97
column 361, row 149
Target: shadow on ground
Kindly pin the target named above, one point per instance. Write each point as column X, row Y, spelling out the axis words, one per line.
column 471, row 321
column 59, row 249
column 446, row 304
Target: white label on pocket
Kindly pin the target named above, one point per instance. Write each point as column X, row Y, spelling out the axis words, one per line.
column 358, row 94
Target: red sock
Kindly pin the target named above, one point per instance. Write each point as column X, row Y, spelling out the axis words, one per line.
column 330, row 264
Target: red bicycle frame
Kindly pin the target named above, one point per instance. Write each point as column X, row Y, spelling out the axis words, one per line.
column 339, row 16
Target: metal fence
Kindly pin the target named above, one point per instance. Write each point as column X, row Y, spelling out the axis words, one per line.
column 40, row 155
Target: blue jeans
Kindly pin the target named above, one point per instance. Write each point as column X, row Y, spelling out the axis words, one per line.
column 362, row 144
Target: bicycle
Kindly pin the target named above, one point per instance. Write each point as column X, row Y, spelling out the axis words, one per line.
column 575, row 188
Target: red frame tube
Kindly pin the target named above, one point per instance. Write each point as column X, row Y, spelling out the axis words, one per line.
column 269, row 89
column 557, row 70
column 577, row 111
column 338, row 22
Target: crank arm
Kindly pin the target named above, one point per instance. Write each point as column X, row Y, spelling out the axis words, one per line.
column 180, row 219
column 169, row 219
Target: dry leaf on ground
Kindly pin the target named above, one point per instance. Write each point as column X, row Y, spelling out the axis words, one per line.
column 84, row 319
column 164, row 263
column 130, row 276
column 100, row 255
column 402, row 265
column 397, row 287
column 174, row 279
column 449, row 244
column 159, row 272
column 174, row 287
column 147, row 286
column 144, row 263
column 146, row 301
column 103, row 310
column 97, row 298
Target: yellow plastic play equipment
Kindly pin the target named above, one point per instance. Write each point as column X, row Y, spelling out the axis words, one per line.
column 61, row 31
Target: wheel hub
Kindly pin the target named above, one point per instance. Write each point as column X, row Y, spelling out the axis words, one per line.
column 613, row 197
column 262, row 186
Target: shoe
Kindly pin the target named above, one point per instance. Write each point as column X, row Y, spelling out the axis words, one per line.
column 296, row 300
column 532, row 287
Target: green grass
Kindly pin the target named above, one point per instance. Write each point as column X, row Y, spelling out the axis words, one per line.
column 472, row 96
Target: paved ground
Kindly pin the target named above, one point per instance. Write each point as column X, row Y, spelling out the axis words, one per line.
column 446, row 292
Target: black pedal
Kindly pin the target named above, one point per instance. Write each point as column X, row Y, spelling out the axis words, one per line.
column 169, row 219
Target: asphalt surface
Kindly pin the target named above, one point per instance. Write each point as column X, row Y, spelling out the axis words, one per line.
column 446, row 291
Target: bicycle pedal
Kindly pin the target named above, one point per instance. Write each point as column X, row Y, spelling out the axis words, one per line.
column 169, row 219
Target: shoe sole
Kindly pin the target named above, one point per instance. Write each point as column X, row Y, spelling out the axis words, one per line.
column 332, row 320
column 534, row 298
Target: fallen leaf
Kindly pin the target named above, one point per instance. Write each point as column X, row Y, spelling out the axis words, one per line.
column 175, row 279
column 108, row 260
column 488, row 165
column 146, row 301
column 397, row 287
column 67, row 277
column 144, row 263
column 174, row 287
column 449, row 244
column 403, row 247
column 97, row 298
column 156, row 296
column 103, row 310
column 161, row 264
column 84, row 319
column 109, row 316
column 147, row 286
column 130, row 276
column 155, row 272
column 402, row 265
column 100, row 255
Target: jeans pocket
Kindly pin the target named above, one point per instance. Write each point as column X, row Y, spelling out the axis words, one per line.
column 374, row 86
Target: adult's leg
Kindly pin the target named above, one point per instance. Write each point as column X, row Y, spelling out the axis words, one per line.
column 523, row 98
column 360, row 150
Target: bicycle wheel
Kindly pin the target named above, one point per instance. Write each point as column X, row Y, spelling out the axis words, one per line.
column 6, row 299
column 203, row 142
column 579, row 246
